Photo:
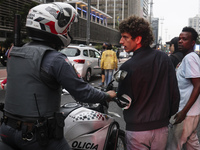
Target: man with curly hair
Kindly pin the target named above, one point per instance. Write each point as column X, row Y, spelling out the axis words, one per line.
column 152, row 85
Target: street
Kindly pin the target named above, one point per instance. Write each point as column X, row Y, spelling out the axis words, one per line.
column 66, row 98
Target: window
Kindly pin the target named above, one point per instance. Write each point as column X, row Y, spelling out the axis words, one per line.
column 85, row 53
column 92, row 54
column 79, row 10
column 93, row 17
column 84, row 12
column 71, row 52
column 97, row 55
column 97, row 18
column 48, row 1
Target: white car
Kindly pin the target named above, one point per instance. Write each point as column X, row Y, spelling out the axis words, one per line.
column 123, row 55
column 85, row 59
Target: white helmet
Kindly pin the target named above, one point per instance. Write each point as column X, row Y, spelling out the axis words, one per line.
column 51, row 22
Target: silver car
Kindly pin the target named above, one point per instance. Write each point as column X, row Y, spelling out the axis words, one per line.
column 85, row 59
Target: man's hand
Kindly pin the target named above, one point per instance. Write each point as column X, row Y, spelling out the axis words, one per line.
column 193, row 97
column 179, row 117
column 112, row 94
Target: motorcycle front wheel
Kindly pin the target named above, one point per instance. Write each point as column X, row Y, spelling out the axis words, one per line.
column 115, row 138
column 121, row 144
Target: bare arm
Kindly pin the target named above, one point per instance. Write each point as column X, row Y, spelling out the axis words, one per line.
column 193, row 97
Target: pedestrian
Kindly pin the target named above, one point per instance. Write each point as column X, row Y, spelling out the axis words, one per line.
column 109, row 63
column 104, row 47
column 176, row 56
column 31, row 115
column 184, row 130
column 117, row 53
column 151, row 84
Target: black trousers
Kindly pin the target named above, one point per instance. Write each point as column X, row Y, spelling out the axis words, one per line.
column 13, row 138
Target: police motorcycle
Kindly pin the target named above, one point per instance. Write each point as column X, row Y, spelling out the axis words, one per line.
column 92, row 126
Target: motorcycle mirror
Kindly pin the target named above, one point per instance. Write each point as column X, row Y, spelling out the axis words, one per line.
column 120, row 75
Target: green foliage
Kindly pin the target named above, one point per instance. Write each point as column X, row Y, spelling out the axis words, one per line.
column 198, row 40
column 115, row 48
column 99, row 47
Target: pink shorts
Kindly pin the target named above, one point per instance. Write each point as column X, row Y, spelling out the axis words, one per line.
column 145, row 140
column 184, row 133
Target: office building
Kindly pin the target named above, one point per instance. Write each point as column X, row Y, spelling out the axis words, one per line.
column 155, row 25
column 195, row 23
column 99, row 31
column 121, row 9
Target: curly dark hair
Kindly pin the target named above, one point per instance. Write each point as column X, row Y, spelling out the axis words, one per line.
column 137, row 26
column 192, row 31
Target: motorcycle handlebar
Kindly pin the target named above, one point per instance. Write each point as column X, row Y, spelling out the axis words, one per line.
column 121, row 102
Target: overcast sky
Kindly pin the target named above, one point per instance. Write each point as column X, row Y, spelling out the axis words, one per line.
column 175, row 15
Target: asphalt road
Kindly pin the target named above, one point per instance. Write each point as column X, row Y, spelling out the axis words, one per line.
column 66, row 98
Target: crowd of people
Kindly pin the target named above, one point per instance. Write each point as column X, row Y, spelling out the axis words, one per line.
column 165, row 108
column 163, row 89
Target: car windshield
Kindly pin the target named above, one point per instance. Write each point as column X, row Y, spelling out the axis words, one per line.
column 122, row 54
column 71, row 52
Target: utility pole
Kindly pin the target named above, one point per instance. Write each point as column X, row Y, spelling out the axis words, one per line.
column 151, row 11
column 97, row 4
column 17, row 29
column 166, row 34
column 162, row 19
column 106, row 6
column 114, row 16
column 88, row 24
column 122, row 9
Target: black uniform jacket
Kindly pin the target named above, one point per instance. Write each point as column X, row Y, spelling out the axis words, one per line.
column 151, row 83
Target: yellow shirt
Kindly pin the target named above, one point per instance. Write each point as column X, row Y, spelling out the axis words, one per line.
column 109, row 60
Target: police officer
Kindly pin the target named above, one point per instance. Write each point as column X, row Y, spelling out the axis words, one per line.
column 36, row 72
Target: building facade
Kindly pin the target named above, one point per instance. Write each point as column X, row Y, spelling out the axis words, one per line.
column 99, row 31
column 121, row 9
column 155, row 25
column 195, row 23
column 7, row 10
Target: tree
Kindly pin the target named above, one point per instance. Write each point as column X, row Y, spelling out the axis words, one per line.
column 198, row 40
